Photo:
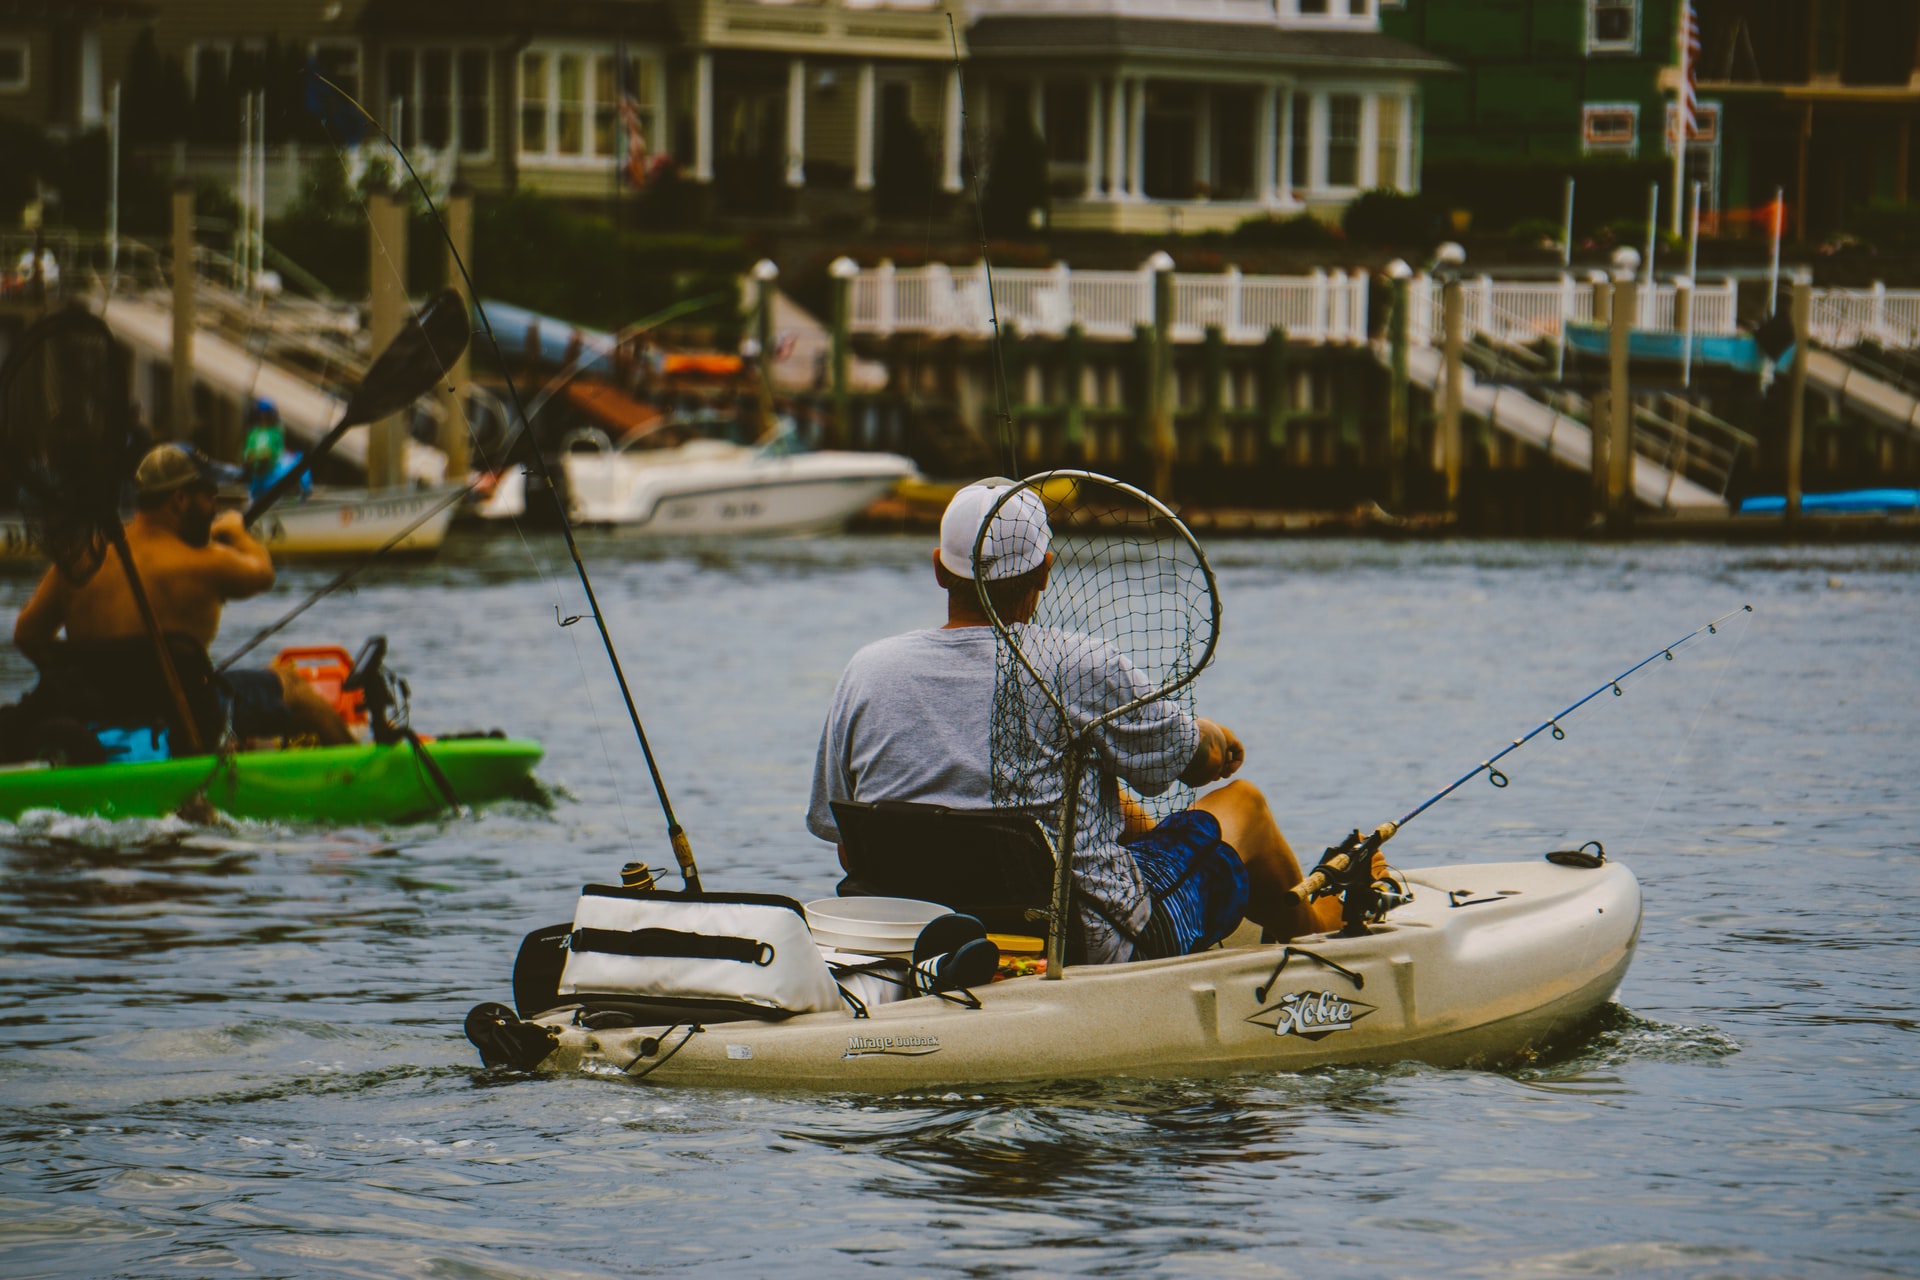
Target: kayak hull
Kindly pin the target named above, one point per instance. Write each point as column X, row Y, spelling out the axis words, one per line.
column 1530, row 952
column 365, row 783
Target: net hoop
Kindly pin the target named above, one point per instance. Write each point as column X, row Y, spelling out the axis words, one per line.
column 1004, row 632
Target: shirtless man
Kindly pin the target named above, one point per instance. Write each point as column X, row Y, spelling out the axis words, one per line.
column 192, row 558
column 911, row 721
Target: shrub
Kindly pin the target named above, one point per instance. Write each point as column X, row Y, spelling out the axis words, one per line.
column 1391, row 218
column 1302, row 231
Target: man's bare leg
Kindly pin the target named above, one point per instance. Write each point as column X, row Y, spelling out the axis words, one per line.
column 1247, row 824
column 312, row 713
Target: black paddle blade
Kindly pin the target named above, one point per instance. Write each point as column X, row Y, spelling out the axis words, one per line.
column 419, row 355
column 67, row 441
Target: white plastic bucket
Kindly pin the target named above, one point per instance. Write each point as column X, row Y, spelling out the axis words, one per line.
column 871, row 926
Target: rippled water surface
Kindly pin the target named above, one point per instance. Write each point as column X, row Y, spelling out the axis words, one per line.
column 239, row 1050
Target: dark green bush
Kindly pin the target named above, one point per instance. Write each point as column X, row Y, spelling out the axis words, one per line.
column 1500, row 193
column 1302, row 231
column 1392, row 219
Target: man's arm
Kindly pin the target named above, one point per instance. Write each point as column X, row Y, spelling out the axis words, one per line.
column 241, row 565
column 38, row 626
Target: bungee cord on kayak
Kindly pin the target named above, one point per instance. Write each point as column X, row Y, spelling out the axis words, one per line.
column 676, row 834
column 1344, row 867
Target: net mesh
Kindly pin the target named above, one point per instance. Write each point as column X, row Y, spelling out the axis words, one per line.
column 1104, row 665
column 66, row 441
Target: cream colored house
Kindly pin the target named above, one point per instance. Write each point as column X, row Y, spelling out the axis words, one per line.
column 1185, row 115
column 1158, row 114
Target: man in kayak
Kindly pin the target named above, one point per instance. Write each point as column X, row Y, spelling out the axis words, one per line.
column 192, row 558
column 912, row 721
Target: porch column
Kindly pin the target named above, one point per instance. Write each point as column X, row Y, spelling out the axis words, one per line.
column 796, row 122
column 863, row 128
column 1137, row 141
column 703, row 118
column 1096, row 102
column 90, row 115
column 1317, row 142
column 1117, row 141
column 1264, row 183
column 950, row 134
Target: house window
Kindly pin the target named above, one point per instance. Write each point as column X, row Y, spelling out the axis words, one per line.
column 445, row 98
column 1300, row 146
column 207, row 64
column 1343, row 139
column 1610, row 128
column 14, row 65
column 1613, row 26
column 570, row 103
column 1064, row 103
column 339, row 62
column 1391, row 113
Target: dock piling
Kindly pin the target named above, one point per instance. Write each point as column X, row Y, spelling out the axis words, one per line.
column 180, row 397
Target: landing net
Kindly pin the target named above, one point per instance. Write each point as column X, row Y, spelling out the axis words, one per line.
column 1096, row 686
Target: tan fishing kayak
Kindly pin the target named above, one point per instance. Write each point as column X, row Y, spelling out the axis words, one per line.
column 1487, row 963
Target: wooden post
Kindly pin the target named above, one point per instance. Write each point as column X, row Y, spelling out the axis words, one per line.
column 387, row 305
column 180, row 401
column 1276, row 390
column 1452, row 379
column 1801, row 310
column 1600, row 414
column 1397, row 387
column 1160, row 420
column 1074, row 352
column 765, row 274
column 1213, row 393
column 1620, row 407
column 842, row 271
column 451, row 391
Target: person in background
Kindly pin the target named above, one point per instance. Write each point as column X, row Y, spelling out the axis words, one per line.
column 264, row 457
column 192, row 557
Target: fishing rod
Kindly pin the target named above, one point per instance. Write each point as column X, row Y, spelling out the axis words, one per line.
column 1349, row 865
column 504, row 452
column 676, row 834
column 986, row 264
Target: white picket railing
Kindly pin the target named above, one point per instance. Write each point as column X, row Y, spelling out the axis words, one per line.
column 1109, row 305
column 1848, row 317
column 1523, row 311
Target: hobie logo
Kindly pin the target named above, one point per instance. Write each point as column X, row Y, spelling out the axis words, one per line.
column 898, row 1046
column 1311, row 1014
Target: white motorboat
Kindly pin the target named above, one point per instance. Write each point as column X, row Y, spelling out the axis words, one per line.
column 328, row 522
column 343, row 522
column 711, row 486
column 1486, row 964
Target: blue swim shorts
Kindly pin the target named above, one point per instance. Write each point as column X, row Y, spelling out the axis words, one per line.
column 1198, row 884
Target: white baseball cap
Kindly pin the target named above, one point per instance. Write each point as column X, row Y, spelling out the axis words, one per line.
column 1017, row 542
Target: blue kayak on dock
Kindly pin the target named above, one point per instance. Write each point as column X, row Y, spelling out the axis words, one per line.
column 1858, row 501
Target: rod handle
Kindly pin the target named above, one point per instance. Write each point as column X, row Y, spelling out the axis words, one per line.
column 683, row 854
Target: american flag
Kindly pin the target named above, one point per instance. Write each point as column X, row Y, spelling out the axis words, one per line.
column 1689, row 57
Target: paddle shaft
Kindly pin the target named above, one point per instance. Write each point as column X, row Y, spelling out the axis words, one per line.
column 151, row 621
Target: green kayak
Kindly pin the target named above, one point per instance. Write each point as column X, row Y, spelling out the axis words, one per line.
column 363, row 783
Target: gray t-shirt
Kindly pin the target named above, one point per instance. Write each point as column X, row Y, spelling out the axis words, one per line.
column 912, row 720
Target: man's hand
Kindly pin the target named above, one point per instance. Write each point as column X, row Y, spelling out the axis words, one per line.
column 229, row 528
column 1219, row 755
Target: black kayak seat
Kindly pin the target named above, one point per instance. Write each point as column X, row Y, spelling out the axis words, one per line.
column 996, row 864
column 119, row 682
